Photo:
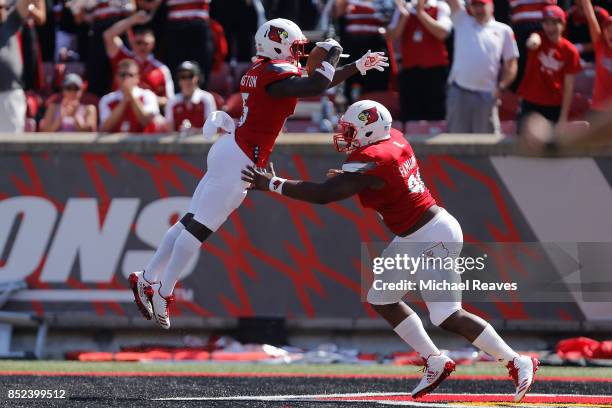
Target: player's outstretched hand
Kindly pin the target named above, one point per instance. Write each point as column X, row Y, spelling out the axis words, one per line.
column 372, row 60
column 257, row 177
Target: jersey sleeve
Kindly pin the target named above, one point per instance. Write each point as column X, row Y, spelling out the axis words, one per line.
column 277, row 71
column 169, row 111
column 510, row 47
column 209, row 104
column 444, row 16
column 168, row 82
column 359, row 162
column 103, row 108
column 150, row 102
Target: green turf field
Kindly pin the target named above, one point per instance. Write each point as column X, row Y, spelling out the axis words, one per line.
column 204, row 367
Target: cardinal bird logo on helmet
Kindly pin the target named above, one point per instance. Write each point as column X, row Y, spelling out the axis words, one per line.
column 368, row 116
column 277, row 34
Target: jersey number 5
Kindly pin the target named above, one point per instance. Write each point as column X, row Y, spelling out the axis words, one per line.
column 245, row 109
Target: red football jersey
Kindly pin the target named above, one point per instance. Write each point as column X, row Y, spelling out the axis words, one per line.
column 546, row 68
column 263, row 116
column 154, row 75
column 602, row 93
column 404, row 198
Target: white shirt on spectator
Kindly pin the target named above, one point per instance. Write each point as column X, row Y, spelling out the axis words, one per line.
column 479, row 50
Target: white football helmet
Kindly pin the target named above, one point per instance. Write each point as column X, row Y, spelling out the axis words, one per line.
column 364, row 122
column 280, row 39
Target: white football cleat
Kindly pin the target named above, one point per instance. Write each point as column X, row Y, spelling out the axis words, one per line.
column 522, row 371
column 437, row 368
column 138, row 284
column 160, row 305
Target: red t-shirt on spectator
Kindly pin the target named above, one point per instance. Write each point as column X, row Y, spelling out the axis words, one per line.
column 154, row 75
column 602, row 92
column 546, row 69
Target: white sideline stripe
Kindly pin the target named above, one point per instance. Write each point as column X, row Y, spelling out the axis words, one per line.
column 73, row 295
column 281, row 397
column 359, row 395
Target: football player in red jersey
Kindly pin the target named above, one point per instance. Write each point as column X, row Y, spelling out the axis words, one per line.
column 381, row 169
column 270, row 89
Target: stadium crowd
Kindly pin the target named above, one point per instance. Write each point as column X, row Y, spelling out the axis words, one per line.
column 162, row 65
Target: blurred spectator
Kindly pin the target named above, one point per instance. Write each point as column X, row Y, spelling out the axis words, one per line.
column 130, row 108
column 601, row 35
column 67, row 32
column 423, row 27
column 188, row 35
column 33, row 78
column 158, row 12
column 102, row 16
column 552, row 63
column 12, row 97
column 240, row 20
column 365, row 23
column 45, row 31
column 481, row 44
column 526, row 18
column 69, row 114
column 304, row 13
column 188, row 110
column 577, row 29
column 154, row 75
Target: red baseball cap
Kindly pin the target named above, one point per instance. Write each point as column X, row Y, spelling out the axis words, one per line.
column 481, row 1
column 553, row 13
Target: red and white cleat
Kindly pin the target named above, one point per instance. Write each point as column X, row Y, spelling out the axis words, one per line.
column 160, row 305
column 522, row 371
column 437, row 368
column 138, row 284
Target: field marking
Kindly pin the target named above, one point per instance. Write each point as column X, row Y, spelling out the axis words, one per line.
column 73, row 295
column 432, row 400
column 460, row 377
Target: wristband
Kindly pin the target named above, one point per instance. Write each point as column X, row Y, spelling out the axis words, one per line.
column 327, row 70
column 276, row 185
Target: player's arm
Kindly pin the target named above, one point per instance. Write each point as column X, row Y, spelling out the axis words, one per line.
column 109, row 119
column 455, row 5
column 312, row 85
column 344, row 185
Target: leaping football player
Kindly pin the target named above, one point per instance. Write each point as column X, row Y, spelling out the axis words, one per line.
column 381, row 169
column 270, row 90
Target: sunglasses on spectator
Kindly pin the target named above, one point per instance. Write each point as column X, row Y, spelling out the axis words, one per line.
column 141, row 42
column 72, row 88
column 188, row 76
column 126, row 74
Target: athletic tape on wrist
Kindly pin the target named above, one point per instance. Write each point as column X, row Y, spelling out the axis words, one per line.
column 276, row 184
column 327, row 71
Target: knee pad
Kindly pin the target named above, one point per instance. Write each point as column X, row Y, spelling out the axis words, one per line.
column 198, row 230
column 186, row 219
column 440, row 311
